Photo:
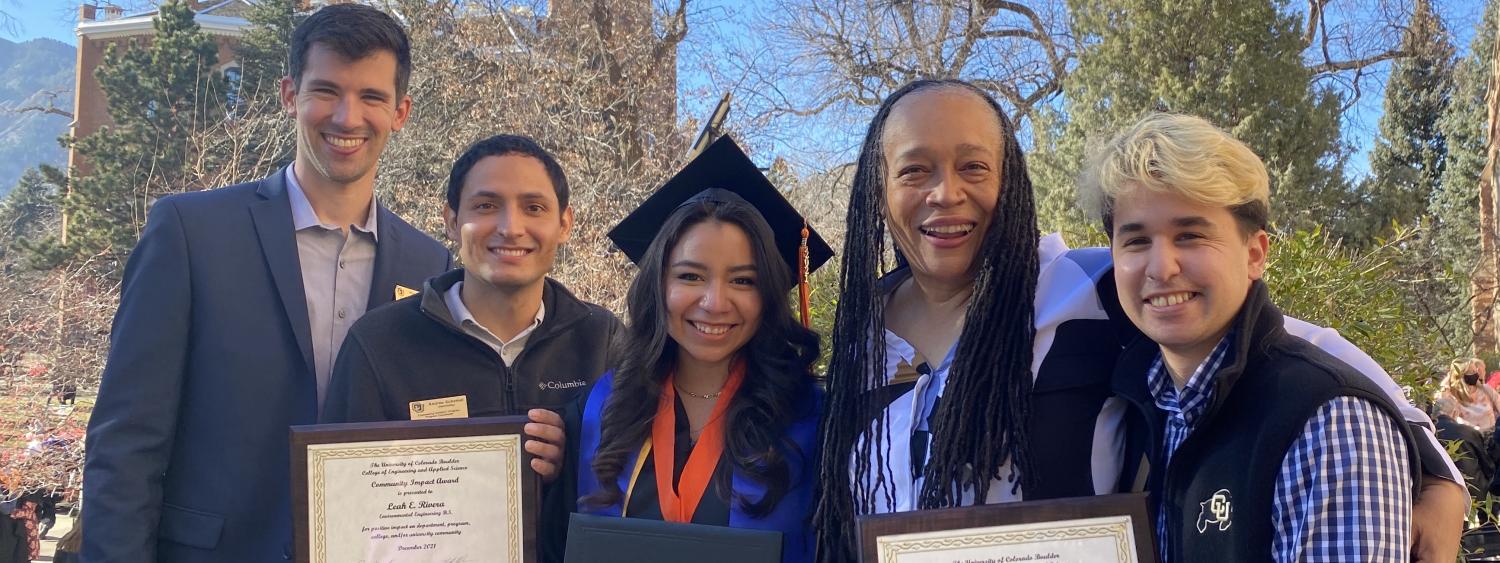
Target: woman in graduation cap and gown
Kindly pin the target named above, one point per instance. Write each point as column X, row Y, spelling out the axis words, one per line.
column 711, row 417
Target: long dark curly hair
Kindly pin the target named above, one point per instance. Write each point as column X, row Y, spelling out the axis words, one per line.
column 980, row 422
column 778, row 376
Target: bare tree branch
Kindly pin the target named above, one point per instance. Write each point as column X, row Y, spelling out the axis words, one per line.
column 840, row 54
column 1314, row 21
column 1328, row 67
column 49, row 108
column 8, row 22
column 676, row 27
column 1361, row 36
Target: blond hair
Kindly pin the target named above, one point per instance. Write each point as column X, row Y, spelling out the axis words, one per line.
column 1454, row 383
column 1178, row 154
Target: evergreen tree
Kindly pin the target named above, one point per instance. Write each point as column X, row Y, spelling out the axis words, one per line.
column 30, row 208
column 1454, row 205
column 1237, row 63
column 1409, row 157
column 160, row 92
column 263, row 139
column 1054, row 167
column 264, row 51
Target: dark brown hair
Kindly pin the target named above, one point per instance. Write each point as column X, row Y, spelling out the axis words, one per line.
column 778, row 377
column 353, row 31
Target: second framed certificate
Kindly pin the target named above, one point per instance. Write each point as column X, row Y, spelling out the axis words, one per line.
column 1103, row 529
column 439, row 490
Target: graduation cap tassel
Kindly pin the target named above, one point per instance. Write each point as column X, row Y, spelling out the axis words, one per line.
column 802, row 286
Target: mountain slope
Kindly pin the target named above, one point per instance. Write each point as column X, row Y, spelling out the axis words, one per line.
column 29, row 71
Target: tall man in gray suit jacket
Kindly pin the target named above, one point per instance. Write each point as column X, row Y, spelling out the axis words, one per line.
column 234, row 306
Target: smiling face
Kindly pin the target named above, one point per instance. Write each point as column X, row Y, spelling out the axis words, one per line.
column 713, row 304
column 508, row 224
column 942, row 151
column 1182, row 268
column 345, row 112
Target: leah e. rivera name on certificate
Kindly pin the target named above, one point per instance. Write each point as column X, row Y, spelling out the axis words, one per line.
column 415, row 478
column 382, row 501
column 442, row 490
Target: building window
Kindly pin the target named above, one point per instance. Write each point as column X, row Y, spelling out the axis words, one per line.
column 232, row 100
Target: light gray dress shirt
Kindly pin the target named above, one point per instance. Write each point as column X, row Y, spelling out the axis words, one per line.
column 337, row 269
column 508, row 350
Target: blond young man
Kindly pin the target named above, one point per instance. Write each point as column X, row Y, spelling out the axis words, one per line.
column 1262, row 446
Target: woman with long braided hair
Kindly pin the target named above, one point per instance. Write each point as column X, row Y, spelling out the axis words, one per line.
column 931, row 401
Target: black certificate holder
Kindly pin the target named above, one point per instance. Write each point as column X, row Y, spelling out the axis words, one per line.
column 610, row 538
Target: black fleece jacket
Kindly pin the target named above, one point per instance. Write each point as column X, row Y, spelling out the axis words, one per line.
column 413, row 350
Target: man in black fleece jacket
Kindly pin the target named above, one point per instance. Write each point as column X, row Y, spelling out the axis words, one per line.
column 496, row 335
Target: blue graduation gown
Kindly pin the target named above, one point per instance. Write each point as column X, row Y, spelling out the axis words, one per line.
column 792, row 516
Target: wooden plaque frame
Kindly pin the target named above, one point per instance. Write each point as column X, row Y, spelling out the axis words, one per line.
column 1134, row 505
column 308, row 435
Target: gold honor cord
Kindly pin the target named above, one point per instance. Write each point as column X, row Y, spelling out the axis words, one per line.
column 640, row 463
column 802, row 287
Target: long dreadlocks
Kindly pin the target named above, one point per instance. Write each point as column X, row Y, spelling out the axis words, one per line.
column 980, row 423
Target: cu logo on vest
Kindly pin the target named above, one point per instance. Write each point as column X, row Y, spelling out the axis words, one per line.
column 1215, row 510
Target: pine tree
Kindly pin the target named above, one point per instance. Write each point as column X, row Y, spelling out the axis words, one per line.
column 1236, row 63
column 30, row 207
column 160, row 92
column 263, row 50
column 1411, row 153
column 1054, row 167
column 264, row 136
column 1454, row 204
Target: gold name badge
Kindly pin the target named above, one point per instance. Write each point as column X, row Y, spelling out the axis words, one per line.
column 402, row 292
column 906, row 372
column 446, row 407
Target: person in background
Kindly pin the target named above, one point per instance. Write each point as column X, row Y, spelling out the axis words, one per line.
column 25, row 541
column 71, row 543
column 1464, row 399
column 46, row 512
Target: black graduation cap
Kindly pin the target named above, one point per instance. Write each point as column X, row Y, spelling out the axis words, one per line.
column 723, row 171
column 724, row 166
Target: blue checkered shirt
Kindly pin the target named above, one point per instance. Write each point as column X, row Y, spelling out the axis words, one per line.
column 1344, row 490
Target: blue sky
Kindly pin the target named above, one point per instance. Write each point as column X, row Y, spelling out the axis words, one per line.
column 840, row 140
column 42, row 18
column 55, row 19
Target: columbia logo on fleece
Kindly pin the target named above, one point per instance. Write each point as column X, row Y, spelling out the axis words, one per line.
column 559, row 385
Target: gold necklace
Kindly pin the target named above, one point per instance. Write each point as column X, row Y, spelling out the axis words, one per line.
column 708, row 397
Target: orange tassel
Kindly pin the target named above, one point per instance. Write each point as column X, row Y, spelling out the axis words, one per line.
column 802, row 286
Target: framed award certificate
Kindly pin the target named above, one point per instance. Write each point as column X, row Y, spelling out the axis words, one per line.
column 1098, row 529
column 432, row 490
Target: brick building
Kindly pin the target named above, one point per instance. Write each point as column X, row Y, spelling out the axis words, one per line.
column 100, row 26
